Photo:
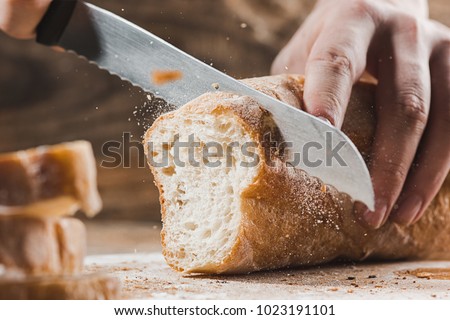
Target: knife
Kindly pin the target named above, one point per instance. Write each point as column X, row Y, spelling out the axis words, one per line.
column 132, row 53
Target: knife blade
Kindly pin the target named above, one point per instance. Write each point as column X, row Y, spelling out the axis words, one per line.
column 132, row 53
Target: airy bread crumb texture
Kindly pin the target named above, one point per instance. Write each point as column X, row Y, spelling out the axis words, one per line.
column 202, row 200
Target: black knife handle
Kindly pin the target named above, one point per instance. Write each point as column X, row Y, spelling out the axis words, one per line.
column 55, row 20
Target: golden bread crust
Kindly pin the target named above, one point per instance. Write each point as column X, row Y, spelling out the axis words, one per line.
column 290, row 218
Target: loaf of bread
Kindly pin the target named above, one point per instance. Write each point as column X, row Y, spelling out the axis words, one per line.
column 79, row 287
column 228, row 218
column 49, row 180
column 41, row 246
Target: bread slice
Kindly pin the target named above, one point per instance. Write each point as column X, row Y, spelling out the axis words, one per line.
column 41, row 246
column 234, row 219
column 75, row 287
column 49, row 180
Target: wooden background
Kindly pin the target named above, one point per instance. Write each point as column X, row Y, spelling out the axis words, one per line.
column 48, row 97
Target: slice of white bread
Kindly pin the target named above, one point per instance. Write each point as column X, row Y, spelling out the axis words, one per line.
column 49, row 180
column 231, row 219
column 41, row 246
column 75, row 287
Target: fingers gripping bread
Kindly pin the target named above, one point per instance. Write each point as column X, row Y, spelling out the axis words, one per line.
column 232, row 219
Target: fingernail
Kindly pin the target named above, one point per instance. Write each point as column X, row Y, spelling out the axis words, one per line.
column 408, row 210
column 359, row 210
column 325, row 119
column 376, row 218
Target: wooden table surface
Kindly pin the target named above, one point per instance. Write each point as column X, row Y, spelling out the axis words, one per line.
column 131, row 251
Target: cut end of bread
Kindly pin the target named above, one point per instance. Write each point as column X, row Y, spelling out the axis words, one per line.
column 53, row 180
column 200, row 192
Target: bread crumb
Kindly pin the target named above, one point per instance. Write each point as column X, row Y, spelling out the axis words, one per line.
column 160, row 77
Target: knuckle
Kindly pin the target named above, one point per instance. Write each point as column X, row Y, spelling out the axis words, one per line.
column 412, row 108
column 337, row 61
column 395, row 172
column 438, row 28
column 362, row 8
column 410, row 26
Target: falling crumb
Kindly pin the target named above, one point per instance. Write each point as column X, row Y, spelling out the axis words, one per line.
column 379, row 287
column 372, row 276
column 351, row 278
column 160, row 77
column 215, row 85
column 433, row 296
column 243, row 25
column 430, row 273
column 333, row 289
column 349, row 291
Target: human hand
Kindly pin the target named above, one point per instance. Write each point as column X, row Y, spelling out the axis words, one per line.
column 410, row 56
column 19, row 18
